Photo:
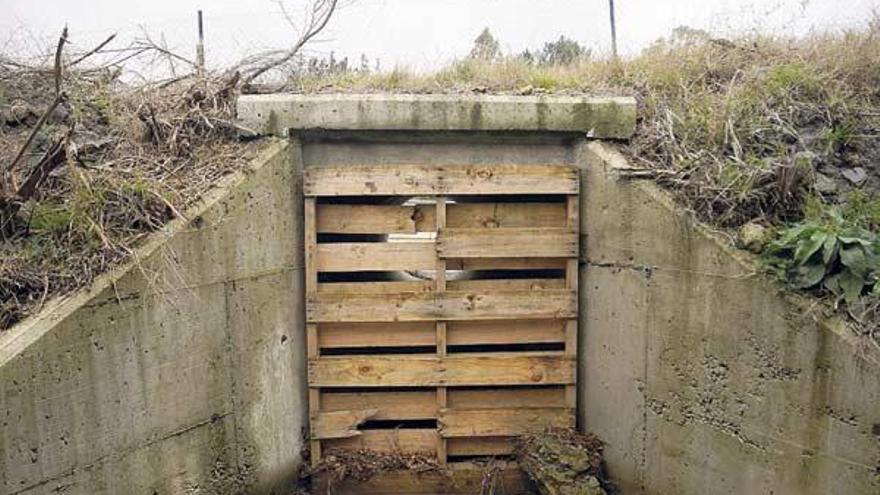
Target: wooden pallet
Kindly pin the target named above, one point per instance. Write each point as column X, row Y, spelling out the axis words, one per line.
column 445, row 365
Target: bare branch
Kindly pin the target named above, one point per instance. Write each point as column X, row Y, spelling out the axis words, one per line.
column 6, row 180
column 93, row 50
column 322, row 11
column 58, row 62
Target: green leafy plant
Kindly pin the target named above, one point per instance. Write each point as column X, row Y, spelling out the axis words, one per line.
column 828, row 253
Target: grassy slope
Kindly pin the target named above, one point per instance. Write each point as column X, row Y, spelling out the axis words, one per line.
column 739, row 129
column 752, row 134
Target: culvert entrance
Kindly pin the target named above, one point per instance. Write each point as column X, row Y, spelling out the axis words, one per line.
column 444, row 326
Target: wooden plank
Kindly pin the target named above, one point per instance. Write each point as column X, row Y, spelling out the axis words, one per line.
column 375, row 256
column 375, row 334
column 459, row 478
column 410, row 219
column 506, row 264
column 507, row 243
column 415, row 404
column 479, row 446
column 429, row 180
column 408, row 441
column 505, row 332
column 511, row 397
column 382, row 287
column 311, row 283
column 450, row 305
column 496, row 422
column 440, row 286
column 571, row 281
column 375, row 219
column 431, row 371
column 488, row 285
column 505, row 215
column 339, row 424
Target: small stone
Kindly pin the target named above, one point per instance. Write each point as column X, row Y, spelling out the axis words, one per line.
column 825, row 184
column 753, row 237
column 527, row 90
column 857, row 175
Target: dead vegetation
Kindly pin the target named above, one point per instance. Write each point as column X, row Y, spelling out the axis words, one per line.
column 362, row 465
column 91, row 165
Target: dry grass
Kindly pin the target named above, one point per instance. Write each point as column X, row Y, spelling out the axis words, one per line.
column 761, row 130
column 141, row 156
column 739, row 129
column 362, row 465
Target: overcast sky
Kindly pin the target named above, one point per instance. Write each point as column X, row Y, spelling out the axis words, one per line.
column 419, row 34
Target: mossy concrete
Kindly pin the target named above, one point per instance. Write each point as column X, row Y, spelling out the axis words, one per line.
column 700, row 372
column 605, row 118
column 180, row 373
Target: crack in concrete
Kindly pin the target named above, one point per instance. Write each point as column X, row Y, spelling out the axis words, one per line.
column 117, row 456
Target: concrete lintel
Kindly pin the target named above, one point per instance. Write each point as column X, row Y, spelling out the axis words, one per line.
column 601, row 118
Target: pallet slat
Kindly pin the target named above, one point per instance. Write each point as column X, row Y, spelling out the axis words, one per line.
column 506, row 264
column 390, row 334
column 428, row 180
column 479, row 446
column 411, row 219
column 339, row 424
column 497, row 422
column 505, row 332
column 507, row 243
column 383, row 287
column 375, row 219
column 486, row 285
column 390, row 405
column 396, row 440
column 460, row 478
column 450, row 305
column 432, row 371
column 488, row 398
column 505, row 215
column 375, row 256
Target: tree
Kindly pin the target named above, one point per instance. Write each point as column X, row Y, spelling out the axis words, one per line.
column 486, row 47
column 563, row 51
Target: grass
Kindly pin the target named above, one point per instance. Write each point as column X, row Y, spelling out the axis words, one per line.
column 757, row 130
column 738, row 128
column 141, row 155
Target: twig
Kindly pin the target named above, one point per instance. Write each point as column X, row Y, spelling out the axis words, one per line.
column 317, row 22
column 93, row 50
column 6, row 182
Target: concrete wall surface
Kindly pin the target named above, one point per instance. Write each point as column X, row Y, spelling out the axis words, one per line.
column 600, row 118
column 183, row 373
column 698, row 373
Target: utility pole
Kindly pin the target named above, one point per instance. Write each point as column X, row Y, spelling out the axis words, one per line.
column 613, row 29
column 200, row 49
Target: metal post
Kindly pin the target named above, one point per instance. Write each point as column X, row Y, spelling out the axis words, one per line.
column 613, row 29
column 200, row 49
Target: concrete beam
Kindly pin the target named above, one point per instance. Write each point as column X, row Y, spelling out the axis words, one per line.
column 601, row 118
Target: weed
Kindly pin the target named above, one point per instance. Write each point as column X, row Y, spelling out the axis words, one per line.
column 828, row 253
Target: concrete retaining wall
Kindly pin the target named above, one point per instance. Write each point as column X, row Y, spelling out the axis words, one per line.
column 702, row 376
column 183, row 374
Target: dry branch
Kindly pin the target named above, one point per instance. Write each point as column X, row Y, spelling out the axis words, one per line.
column 320, row 13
